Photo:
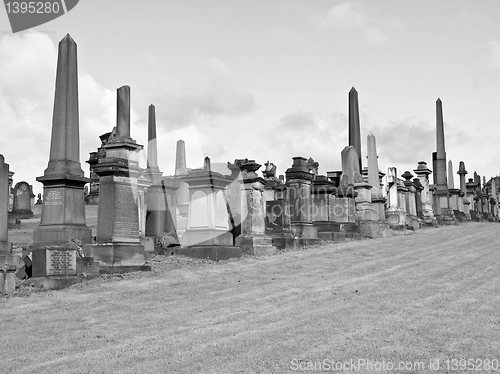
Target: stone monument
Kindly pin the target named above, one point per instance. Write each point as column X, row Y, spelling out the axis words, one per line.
column 443, row 211
column 63, row 212
column 180, row 170
column 161, row 215
column 208, row 234
column 253, row 239
column 22, row 201
column 299, row 182
column 354, row 126
column 118, row 248
column 462, row 172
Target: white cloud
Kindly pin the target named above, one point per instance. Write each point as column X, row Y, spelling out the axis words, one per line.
column 494, row 54
column 352, row 16
column 286, row 35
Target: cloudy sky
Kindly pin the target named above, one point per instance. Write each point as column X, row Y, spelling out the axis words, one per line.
column 266, row 80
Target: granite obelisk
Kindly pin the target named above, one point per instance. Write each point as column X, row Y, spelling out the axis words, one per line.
column 180, row 170
column 378, row 200
column 443, row 211
column 160, row 216
column 63, row 214
column 354, row 126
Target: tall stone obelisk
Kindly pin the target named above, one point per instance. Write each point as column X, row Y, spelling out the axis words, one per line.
column 180, row 170
column 119, row 248
column 63, row 213
column 354, row 127
column 378, row 200
column 160, row 216
column 442, row 209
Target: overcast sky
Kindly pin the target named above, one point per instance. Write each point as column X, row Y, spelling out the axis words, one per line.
column 265, row 80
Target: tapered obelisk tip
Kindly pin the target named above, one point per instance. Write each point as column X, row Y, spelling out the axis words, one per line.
column 123, row 111
column 152, row 144
column 440, row 143
column 67, row 39
column 180, row 156
column 354, row 126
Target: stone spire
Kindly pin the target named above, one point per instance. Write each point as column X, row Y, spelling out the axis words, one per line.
column 180, row 157
column 354, row 127
column 152, row 144
column 440, row 148
column 373, row 172
column 65, row 140
column 123, row 112
column 451, row 180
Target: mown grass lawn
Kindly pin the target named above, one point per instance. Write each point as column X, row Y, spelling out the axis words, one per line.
column 433, row 295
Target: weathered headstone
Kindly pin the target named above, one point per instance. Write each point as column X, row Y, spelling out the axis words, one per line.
column 63, row 212
column 22, row 201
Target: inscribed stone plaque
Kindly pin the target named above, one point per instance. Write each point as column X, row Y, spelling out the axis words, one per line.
column 319, row 207
column 52, row 197
column 199, row 210
column 126, row 216
column 61, row 262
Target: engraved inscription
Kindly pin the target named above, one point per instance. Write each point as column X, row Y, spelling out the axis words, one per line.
column 61, row 262
column 126, row 217
column 53, row 197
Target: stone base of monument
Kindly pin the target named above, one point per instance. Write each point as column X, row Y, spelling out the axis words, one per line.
column 206, row 237
column 5, row 249
column 87, row 267
column 7, row 282
column 210, row 252
column 54, row 282
column 22, row 213
column 53, row 267
column 374, row 229
column 329, row 231
column 460, row 216
column 447, row 217
column 284, row 240
column 117, row 258
column 61, row 234
column 304, row 230
column 415, row 222
column 256, row 245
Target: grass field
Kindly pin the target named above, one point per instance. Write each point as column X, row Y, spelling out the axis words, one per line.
column 430, row 296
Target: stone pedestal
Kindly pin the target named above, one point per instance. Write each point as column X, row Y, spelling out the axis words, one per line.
column 323, row 201
column 54, row 267
column 299, row 181
column 396, row 215
column 161, row 216
column 253, row 239
column 410, row 200
column 208, row 219
column 277, row 221
column 427, row 215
